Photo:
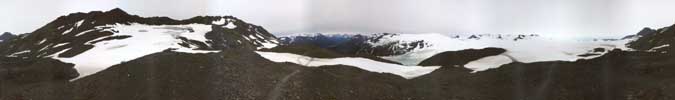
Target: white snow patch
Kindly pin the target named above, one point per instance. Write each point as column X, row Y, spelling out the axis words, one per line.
column 407, row 72
column 267, row 45
column 60, row 44
column 662, row 46
column 488, row 63
column 252, row 36
column 221, row 21
column 68, row 31
column 18, row 53
column 230, row 25
column 186, row 50
column 157, row 39
column 79, row 23
column 84, row 32
column 42, row 41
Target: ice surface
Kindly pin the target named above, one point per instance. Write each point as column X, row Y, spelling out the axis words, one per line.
column 407, row 72
column 488, row 63
column 157, row 38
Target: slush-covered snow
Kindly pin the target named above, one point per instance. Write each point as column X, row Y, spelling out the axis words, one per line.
column 407, row 72
column 528, row 50
column 488, row 63
column 157, row 38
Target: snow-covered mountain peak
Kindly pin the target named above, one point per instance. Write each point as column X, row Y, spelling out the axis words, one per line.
column 96, row 40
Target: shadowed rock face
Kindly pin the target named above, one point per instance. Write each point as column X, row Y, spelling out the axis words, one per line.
column 459, row 58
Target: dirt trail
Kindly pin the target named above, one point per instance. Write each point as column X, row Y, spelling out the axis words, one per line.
column 276, row 92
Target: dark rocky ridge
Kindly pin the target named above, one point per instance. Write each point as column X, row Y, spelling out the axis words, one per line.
column 655, row 41
column 460, row 58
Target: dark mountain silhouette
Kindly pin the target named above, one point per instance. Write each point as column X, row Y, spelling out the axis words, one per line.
column 6, row 36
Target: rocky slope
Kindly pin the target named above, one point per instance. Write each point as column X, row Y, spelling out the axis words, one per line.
column 655, row 41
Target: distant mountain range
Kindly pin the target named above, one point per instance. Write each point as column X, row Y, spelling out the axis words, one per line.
column 113, row 55
column 411, row 49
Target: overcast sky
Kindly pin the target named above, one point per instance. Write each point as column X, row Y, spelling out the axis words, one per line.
column 586, row 17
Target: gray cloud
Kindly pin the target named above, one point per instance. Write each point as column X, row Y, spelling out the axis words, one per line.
column 578, row 17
